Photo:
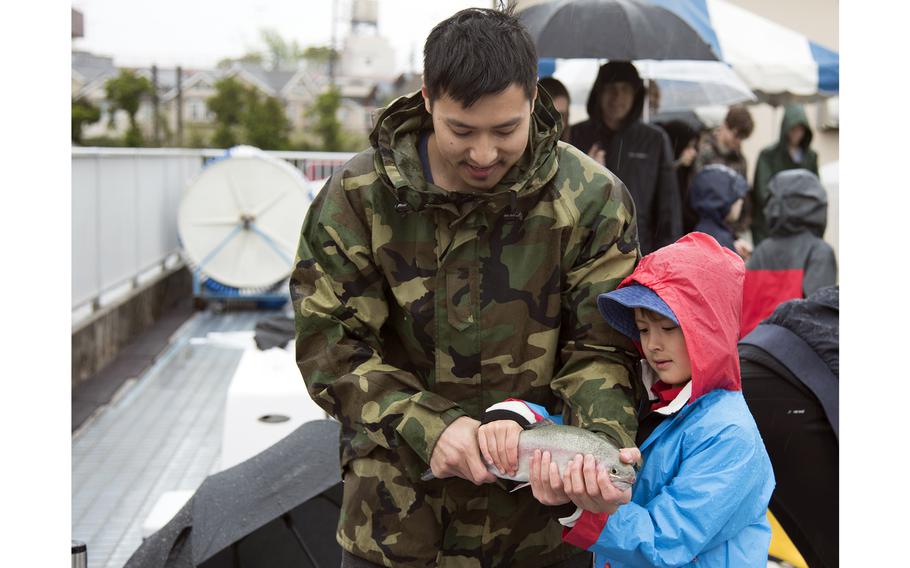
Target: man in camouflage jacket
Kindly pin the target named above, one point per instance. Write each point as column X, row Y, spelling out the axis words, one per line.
column 419, row 305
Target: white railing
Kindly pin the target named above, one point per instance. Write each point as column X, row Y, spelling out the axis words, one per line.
column 124, row 215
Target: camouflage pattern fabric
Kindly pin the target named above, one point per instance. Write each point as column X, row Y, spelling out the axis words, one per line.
column 416, row 305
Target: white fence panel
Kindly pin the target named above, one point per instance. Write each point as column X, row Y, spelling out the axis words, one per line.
column 84, row 245
column 124, row 213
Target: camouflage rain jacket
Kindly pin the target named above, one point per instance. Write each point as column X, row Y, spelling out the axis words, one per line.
column 416, row 305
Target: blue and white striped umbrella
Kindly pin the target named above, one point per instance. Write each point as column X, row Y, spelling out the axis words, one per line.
column 774, row 61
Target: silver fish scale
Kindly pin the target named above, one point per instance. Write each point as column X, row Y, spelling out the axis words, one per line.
column 564, row 443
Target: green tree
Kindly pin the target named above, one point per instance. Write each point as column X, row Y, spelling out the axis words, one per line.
column 264, row 122
column 228, row 106
column 328, row 128
column 319, row 54
column 83, row 112
column 279, row 51
column 125, row 92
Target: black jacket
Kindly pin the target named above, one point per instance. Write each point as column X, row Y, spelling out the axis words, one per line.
column 641, row 156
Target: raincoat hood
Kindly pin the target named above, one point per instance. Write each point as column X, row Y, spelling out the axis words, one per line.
column 397, row 133
column 611, row 72
column 793, row 115
column 702, row 282
column 714, row 190
column 797, row 202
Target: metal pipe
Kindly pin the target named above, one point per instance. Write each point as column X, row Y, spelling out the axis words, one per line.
column 80, row 554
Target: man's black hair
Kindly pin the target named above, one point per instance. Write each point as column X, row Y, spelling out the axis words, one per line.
column 479, row 52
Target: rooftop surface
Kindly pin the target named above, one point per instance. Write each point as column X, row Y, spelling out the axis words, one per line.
column 161, row 432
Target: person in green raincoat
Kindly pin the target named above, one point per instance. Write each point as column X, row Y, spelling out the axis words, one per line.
column 790, row 152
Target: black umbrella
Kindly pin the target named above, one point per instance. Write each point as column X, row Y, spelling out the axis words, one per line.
column 624, row 30
column 279, row 508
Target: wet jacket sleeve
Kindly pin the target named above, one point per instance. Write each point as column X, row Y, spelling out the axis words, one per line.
column 821, row 269
column 668, row 206
column 339, row 303
column 596, row 361
column 697, row 511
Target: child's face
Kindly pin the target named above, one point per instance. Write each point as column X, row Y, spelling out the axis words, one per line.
column 664, row 346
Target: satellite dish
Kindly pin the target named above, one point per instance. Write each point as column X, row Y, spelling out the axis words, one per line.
column 239, row 221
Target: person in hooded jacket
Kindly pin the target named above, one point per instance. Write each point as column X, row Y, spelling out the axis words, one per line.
column 791, row 151
column 684, row 140
column 794, row 261
column 790, row 375
column 716, row 196
column 638, row 153
column 706, row 479
column 451, row 265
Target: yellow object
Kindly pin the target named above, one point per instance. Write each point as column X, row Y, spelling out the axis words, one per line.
column 782, row 547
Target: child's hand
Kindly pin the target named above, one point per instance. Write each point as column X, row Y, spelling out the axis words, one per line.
column 546, row 485
column 498, row 441
column 590, row 488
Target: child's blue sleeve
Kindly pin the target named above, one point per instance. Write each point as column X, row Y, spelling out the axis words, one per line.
column 521, row 411
column 721, row 488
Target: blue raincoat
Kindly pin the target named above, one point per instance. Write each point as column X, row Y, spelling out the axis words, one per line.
column 704, row 487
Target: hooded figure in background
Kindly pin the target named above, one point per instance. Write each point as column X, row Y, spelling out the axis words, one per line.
column 638, row 153
column 684, row 140
column 716, row 196
column 794, row 261
column 790, row 152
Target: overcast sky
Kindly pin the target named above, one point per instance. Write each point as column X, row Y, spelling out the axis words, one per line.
column 198, row 33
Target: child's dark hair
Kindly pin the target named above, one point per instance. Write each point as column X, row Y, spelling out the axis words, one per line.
column 479, row 52
column 555, row 87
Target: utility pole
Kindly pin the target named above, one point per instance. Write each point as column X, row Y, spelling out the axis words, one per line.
column 155, row 134
column 333, row 51
column 179, row 106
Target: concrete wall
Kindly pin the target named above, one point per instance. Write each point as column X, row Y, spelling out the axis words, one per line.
column 98, row 340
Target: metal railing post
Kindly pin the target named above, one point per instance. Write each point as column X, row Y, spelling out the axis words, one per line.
column 80, row 554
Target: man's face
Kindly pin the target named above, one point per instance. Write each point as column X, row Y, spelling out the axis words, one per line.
column 476, row 146
column 795, row 135
column 561, row 104
column 616, row 102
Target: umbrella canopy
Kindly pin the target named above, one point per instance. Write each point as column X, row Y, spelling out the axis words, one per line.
column 777, row 63
column 684, row 85
column 612, row 29
column 278, row 508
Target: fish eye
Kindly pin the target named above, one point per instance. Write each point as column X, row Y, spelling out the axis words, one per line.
column 613, row 471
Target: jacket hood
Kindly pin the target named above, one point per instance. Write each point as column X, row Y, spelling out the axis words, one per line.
column 793, row 115
column 797, row 202
column 616, row 71
column 702, row 282
column 395, row 137
column 714, row 190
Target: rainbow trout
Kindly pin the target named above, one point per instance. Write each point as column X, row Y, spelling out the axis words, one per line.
column 564, row 443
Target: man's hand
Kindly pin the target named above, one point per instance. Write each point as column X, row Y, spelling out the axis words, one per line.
column 598, row 153
column 457, row 455
column 589, row 486
column 546, row 485
column 498, row 443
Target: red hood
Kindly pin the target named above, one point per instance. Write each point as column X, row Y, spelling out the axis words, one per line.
column 702, row 282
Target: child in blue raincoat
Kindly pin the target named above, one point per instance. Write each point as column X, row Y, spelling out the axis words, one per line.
column 706, row 479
